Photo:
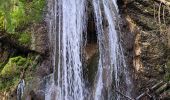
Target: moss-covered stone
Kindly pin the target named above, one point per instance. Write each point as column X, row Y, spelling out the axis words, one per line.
column 24, row 38
column 16, row 68
column 13, row 67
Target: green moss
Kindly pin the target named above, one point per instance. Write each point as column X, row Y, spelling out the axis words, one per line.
column 8, row 84
column 25, row 38
column 10, row 74
column 13, row 67
column 17, row 15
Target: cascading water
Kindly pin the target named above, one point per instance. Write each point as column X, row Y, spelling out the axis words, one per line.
column 111, row 60
column 66, row 36
column 67, row 22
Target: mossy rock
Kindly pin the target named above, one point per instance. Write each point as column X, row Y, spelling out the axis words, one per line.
column 24, row 38
column 11, row 73
column 8, row 84
column 13, row 66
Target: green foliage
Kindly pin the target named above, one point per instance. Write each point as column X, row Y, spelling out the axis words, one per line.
column 34, row 10
column 16, row 13
column 10, row 74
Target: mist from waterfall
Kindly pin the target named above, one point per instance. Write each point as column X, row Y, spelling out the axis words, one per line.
column 67, row 25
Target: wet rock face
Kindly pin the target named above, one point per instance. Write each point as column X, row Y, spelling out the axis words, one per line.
column 39, row 36
column 153, row 53
column 150, row 45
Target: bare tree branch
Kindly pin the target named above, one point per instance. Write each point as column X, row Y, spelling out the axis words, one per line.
column 164, row 2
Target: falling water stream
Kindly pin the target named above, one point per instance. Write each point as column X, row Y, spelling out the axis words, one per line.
column 112, row 64
column 66, row 31
column 67, row 24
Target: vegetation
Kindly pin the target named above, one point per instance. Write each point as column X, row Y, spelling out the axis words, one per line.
column 13, row 70
column 16, row 17
column 17, row 13
column 24, row 38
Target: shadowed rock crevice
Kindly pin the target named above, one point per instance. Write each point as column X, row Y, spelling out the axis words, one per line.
column 91, row 48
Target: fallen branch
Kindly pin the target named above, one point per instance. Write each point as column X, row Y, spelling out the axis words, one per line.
column 154, row 91
column 140, row 96
column 124, row 95
column 162, row 88
column 156, row 86
column 150, row 92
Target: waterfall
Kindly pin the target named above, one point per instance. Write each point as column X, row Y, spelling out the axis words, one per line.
column 20, row 89
column 66, row 26
column 112, row 65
